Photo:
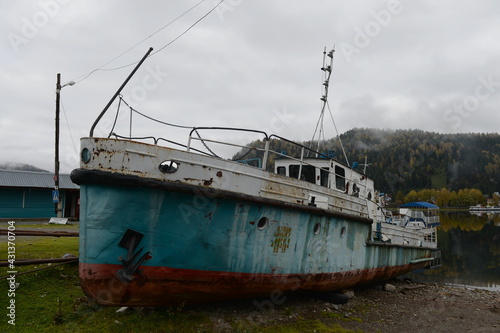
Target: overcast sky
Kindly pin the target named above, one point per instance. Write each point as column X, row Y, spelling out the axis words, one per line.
column 429, row 65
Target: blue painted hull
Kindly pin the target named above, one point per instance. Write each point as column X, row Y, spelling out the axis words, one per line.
column 198, row 245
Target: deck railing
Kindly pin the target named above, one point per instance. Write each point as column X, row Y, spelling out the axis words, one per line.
column 194, row 135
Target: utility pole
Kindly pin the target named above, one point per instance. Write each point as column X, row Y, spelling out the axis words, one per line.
column 55, row 194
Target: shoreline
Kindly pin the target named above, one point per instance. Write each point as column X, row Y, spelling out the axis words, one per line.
column 403, row 306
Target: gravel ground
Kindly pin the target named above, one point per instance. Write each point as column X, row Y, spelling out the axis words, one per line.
column 404, row 307
column 425, row 308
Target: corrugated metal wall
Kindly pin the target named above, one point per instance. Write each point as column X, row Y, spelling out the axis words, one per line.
column 27, row 203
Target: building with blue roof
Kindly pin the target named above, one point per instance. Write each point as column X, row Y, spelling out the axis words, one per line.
column 28, row 195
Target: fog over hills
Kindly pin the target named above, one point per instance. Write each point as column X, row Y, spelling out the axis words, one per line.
column 20, row 167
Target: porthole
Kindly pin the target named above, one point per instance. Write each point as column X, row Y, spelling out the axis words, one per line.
column 262, row 224
column 168, row 166
column 343, row 232
column 369, row 195
column 85, row 155
column 317, row 228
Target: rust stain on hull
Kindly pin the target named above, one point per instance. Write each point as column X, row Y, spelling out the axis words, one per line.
column 162, row 286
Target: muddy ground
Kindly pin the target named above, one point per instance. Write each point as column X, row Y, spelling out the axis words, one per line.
column 408, row 307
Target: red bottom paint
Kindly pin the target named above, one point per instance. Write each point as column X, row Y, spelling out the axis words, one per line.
column 164, row 286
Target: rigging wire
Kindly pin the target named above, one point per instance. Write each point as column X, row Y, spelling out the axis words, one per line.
column 116, row 117
column 85, row 76
column 337, row 131
column 315, row 130
column 67, row 124
column 205, row 144
column 153, row 119
column 160, row 122
column 238, row 158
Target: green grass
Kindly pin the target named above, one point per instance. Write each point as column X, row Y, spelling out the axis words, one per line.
column 340, row 316
column 301, row 326
column 71, row 226
column 43, row 247
column 51, row 300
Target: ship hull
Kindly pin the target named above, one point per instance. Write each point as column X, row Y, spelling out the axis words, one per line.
column 150, row 242
column 165, row 286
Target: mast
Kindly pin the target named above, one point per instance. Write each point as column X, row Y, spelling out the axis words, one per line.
column 327, row 72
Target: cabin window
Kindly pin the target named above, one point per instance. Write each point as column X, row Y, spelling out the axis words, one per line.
column 293, row 171
column 281, row 170
column 340, row 178
column 168, row 166
column 324, row 177
column 308, row 173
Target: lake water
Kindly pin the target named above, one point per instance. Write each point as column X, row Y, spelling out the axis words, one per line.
column 470, row 248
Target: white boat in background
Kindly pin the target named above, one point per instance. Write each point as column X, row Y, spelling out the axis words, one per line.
column 481, row 208
column 422, row 217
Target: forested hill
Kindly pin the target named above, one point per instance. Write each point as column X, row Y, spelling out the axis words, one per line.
column 405, row 160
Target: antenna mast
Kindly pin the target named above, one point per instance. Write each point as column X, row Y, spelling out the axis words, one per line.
column 327, row 72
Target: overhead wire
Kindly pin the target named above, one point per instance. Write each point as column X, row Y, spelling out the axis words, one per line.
column 185, row 31
column 85, row 76
column 169, row 43
column 67, row 124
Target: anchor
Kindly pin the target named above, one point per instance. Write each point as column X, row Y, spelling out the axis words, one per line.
column 132, row 262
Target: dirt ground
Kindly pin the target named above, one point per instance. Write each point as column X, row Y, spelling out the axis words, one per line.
column 407, row 307
column 416, row 308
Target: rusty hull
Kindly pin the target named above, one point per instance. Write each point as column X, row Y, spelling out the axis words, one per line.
column 163, row 286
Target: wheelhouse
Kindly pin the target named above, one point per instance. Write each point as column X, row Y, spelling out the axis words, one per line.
column 327, row 173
